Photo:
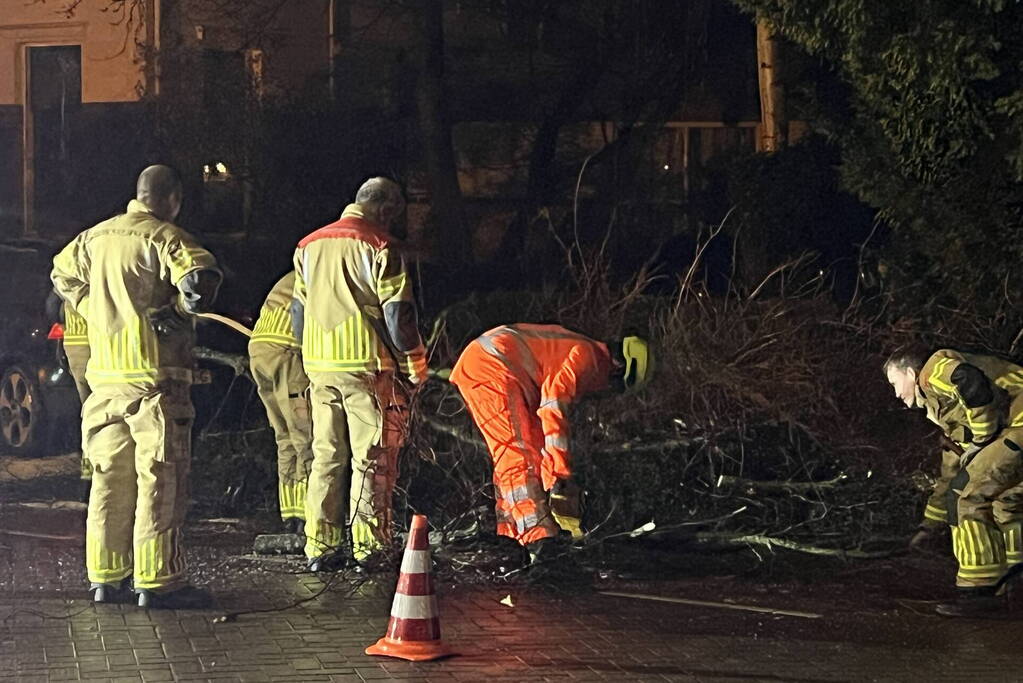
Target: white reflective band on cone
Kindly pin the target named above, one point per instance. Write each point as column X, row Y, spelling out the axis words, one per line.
column 414, row 606
column 416, row 562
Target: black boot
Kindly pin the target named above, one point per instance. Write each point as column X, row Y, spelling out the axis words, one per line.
column 974, row 602
column 330, row 562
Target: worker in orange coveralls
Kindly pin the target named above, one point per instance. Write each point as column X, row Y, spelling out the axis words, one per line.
column 518, row 382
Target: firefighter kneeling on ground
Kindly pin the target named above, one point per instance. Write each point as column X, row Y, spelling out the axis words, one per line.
column 518, row 382
column 977, row 400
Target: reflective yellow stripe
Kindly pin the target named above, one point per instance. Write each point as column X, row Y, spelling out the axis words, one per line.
column 386, row 287
column 159, row 561
column 76, row 331
column 292, row 499
column 935, row 513
column 275, row 325
column 323, row 538
column 936, row 378
column 103, row 565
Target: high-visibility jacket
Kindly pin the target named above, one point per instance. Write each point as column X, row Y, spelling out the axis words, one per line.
column 76, row 331
column 358, row 309
column 114, row 275
column 554, row 366
column 274, row 325
column 971, row 396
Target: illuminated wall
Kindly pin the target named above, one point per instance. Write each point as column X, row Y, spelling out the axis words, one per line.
column 111, row 70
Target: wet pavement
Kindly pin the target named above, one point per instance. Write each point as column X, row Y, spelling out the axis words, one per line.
column 876, row 619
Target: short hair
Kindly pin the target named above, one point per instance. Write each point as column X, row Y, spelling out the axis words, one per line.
column 159, row 182
column 910, row 357
column 380, row 191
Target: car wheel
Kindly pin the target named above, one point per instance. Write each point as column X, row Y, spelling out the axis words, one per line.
column 21, row 412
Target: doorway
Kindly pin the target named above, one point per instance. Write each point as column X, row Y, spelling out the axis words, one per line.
column 53, row 103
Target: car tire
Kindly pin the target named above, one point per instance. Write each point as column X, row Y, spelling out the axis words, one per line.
column 22, row 413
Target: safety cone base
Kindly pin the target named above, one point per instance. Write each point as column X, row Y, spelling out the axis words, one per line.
column 414, row 651
column 413, row 632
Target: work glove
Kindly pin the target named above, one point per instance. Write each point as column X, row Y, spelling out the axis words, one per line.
column 168, row 320
column 418, row 378
column 566, row 507
column 967, row 455
column 443, row 374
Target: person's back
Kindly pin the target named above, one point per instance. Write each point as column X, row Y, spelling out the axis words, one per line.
column 134, row 262
column 942, row 394
column 136, row 279
column 540, row 355
column 274, row 325
column 349, row 273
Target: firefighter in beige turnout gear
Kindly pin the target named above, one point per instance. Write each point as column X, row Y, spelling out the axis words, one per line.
column 977, row 400
column 275, row 357
column 137, row 279
column 356, row 317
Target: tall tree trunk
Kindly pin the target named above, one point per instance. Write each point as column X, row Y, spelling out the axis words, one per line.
column 773, row 124
column 446, row 213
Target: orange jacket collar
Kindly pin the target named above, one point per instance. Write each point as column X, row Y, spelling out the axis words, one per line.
column 352, row 225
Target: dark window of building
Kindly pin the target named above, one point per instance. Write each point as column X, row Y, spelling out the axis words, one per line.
column 55, row 102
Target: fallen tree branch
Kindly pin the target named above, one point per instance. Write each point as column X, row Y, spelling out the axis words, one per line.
column 32, row 534
column 727, row 480
column 771, row 542
column 454, row 431
column 628, row 447
column 650, row 529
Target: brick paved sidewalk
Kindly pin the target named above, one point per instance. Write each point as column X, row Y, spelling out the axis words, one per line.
column 48, row 631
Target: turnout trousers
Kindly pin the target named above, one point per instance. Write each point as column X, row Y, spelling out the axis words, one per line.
column 514, row 436
column 359, row 425
column 139, row 441
column 988, row 505
column 283, row 388
column 77, row 359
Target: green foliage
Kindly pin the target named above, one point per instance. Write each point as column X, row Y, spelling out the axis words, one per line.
column 932, row 136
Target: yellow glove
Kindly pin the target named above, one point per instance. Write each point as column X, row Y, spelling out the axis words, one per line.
column 570, row 524
column 566, row 507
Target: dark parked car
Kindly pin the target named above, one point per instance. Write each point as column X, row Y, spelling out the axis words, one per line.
column 39, row 406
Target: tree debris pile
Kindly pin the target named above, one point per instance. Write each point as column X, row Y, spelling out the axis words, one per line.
column 769, row 422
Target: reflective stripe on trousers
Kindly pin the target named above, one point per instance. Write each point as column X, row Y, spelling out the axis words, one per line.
column 514, row 438
column 980, row 550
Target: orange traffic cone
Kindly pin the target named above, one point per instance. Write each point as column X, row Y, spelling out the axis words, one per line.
column 414, row 630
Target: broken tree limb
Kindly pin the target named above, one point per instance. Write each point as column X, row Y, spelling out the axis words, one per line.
column 710, row 538
column 633, row 447
column 651, row 529
column 727, row 480
column 236, row 361
column 32, row 534
column 716, row 605
column 452, row 430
